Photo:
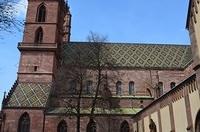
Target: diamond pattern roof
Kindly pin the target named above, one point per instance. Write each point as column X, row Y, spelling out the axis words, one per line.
column 158, row 56
column 29, row 95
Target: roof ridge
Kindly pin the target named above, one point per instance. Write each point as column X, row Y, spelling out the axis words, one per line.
column 139, row 55
column 133, row 43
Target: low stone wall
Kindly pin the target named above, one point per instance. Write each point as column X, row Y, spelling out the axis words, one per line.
column 175, row 111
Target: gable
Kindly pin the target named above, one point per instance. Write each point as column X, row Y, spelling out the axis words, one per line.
column 28, row 95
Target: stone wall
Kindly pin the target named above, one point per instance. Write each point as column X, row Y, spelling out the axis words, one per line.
column 174, row 111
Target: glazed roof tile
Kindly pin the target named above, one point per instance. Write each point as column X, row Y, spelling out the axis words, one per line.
column 29, row 95
column 152, row 56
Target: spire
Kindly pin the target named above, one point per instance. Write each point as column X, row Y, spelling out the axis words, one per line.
column 3, row 101
column 66, row 4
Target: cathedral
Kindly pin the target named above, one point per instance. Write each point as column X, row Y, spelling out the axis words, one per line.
column 97, row 86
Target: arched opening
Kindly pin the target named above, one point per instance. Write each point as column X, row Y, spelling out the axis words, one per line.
column 91, row 126
column 159, row 90
column 152, row 126
column 24, row 123
column 131, row 89
column 118, row 88
column 62, row 126
column 197, row 122
column 41, row 13
column 89, row 89
column 72, row 86
column 39, row 35
column 124, row 127
column 172, row 85
column 149, row 92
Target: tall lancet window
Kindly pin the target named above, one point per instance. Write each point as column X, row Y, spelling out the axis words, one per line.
column 41, row 13
column 24, row 123
column 118, row 88
column 39, row 35
column 72, row 87
column 160, row 89
column 131, row 88
column 89, row 87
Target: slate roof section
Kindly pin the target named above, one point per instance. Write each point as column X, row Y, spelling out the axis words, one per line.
column 29, row 95
column 147, row 56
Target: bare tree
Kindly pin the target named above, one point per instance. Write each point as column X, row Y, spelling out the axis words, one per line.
column 8, row 19
column 100, row 64
column 87, row 62
column 70, row 79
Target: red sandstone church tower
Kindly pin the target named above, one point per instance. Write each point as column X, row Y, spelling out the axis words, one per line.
column 47, row 27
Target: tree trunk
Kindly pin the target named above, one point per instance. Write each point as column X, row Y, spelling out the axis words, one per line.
column 78, row 123
column 78, row 105
column 96, row 94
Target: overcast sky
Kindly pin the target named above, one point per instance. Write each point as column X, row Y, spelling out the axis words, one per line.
column 141, row 21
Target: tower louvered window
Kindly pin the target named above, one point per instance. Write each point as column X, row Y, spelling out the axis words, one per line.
column 39, row 35
column 41, row 14
column 24, row 123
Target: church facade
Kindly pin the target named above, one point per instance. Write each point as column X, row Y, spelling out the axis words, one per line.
column 155, row 87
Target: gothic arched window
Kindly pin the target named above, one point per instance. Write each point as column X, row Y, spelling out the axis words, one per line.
column 91, row 126
column 119, row 88
column 172, row 85
column 24, row 123
column 41, row 13
column 62, row 126
column 152, row 126
column 160, row 89
column 72, row 86
column 131, row 89
column 89, row 87
column 124, row 127
column 39, row 35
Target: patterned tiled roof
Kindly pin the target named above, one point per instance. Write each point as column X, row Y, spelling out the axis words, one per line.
column 29, row 95
column 154, row 56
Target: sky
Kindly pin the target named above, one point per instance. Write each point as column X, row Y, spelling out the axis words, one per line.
column 127, row 21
